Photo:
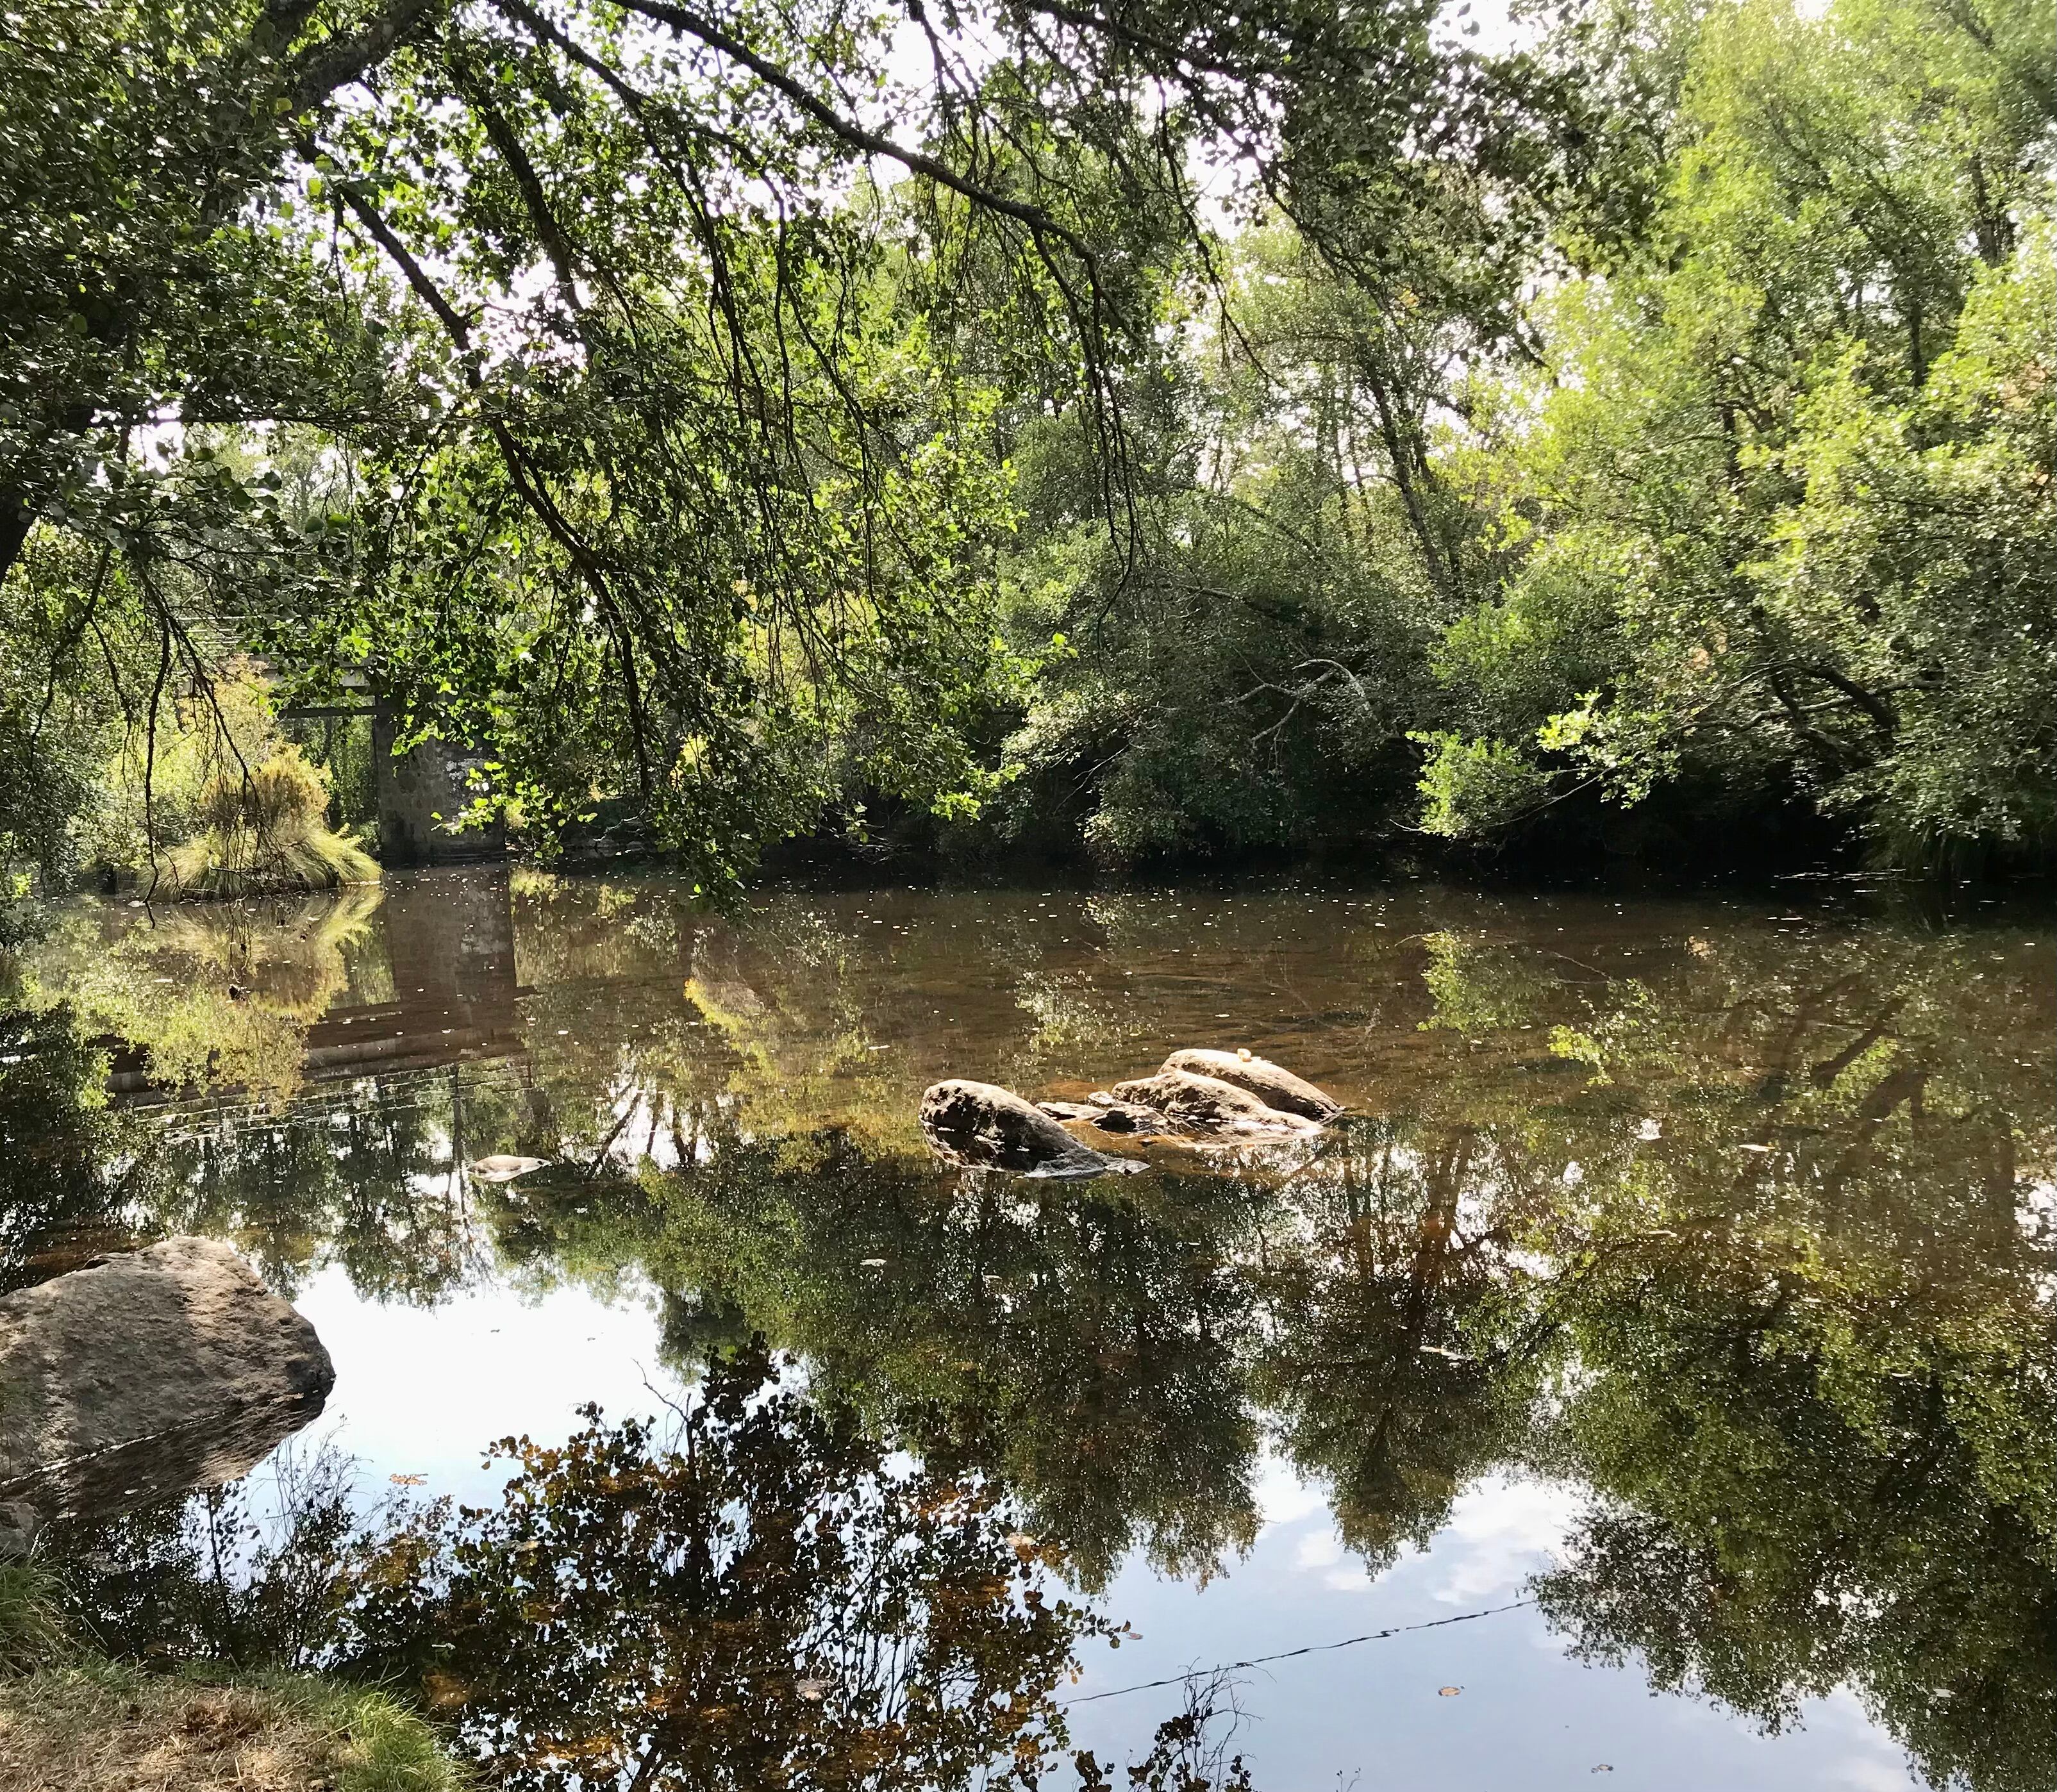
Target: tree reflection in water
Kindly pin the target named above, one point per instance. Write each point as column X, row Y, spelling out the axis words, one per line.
column 762, row 1597
column 754, row 1594
column 1748, row 1246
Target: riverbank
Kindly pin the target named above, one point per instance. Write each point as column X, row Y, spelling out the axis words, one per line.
column 73, row 1721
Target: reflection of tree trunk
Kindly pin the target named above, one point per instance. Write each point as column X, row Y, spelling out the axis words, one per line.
column 1431, row 1251
column 456, row 1135
column 2000, row 1180
column 1439, row 1220
column 1742, row 1347
column 607, row 1145
column 1779, row 1065
column 652, row 1762
column 1365, row 1253
column 216, row 1498
column 1900, row 1483
column 1903, row 1084
column 1825, row 1073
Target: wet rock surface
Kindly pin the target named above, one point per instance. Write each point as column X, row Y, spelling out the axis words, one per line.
column 157, row 1372
column 1127, row 1117
column 984, row 1126
column 1207, row 1104
column 1253, row 1101
column 1271, row 1084
column 1102, row 1110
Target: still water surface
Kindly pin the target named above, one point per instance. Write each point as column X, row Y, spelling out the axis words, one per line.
column 1676, row 1308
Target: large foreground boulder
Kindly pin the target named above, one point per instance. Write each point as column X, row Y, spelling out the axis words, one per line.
column 154, row 1373
column 988, row 1127
column 1271, row 1084
column 1208, row 1104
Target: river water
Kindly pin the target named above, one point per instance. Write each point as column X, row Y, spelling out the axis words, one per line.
column 1652, row 1377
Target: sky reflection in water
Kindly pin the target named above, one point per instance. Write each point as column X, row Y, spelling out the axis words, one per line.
column 1696, row 1257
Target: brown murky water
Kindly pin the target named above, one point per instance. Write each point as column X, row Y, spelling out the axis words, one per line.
column 1675, row 1310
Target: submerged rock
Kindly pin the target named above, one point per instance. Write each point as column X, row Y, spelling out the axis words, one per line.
column 157, row 1372
column 1070, row 1110
column 1208, row 1104
column 1271, row 1084
column 1127, row 1116
column 503, row 1168
column 985, row 1127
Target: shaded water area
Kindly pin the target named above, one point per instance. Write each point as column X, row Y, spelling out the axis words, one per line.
column 1657, row 1367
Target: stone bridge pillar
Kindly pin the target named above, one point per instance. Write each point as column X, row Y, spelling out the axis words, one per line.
column 419, row 794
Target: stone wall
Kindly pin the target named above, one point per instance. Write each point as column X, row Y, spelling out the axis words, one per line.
column 419, row 793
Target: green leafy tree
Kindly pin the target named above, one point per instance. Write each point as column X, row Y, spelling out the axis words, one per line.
column 1782, row 494
column 657, row 451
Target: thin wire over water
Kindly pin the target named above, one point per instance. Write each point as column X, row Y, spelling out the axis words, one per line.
column 1305, row 1649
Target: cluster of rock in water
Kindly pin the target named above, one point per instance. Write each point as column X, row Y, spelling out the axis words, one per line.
column 1196, row 1095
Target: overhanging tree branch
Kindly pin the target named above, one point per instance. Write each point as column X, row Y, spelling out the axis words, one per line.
column 848, row 131
column 528, row 483
column 319, row 72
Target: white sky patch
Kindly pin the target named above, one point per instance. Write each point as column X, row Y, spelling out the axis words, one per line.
column 1873, row 1763
column 1319, row 1549
column 422, row 1391
column 1498, row 30
column 1886, row 1771
column 1501, row 1531
column 1282, row 1497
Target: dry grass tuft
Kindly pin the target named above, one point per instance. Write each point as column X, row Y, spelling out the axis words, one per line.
column 262, row 829
column 96, row 1727
column 71, row 1731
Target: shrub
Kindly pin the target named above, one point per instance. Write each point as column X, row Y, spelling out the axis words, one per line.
column 263, row 827
column 1472, row 787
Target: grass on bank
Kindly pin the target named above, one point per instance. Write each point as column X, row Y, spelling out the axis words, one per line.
column 216, row 802
column 71, row 1721
column 263, row 830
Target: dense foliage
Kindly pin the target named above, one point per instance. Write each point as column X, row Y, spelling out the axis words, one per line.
column 1131, row 427
column 1780, row 495
column 1749, row 502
